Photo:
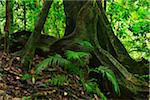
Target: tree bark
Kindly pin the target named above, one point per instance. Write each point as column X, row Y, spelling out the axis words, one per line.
column 71, row 14
column 29, row 50
column 89, row 22
column 106, row 37
column 8, row 24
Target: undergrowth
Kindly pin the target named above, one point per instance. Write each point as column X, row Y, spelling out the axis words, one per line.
column 76, row 62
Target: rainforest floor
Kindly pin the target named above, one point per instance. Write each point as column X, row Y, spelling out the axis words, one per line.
column 14, row 85
column 18, row 82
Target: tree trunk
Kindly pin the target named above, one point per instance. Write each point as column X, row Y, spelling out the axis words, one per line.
column 71, row 14
column 29, row 50
column 87, row 21
column 106, row 37
column 8, row 24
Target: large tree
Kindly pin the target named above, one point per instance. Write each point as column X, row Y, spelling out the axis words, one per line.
column 87, row 21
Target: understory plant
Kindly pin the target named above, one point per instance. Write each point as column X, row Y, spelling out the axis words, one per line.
column 59, row 80
column 76, row 62
column 107, row 73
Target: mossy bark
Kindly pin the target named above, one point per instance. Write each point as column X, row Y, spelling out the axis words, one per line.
column 89, row 22
column 28, row 52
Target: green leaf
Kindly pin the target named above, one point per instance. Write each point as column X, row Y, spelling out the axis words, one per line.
column 74, row 55
column 106, row 72
column 89, row 87
column 85, row 44
column 99, row 93
column 59, row 80
column 53, row 61
column 26, row 76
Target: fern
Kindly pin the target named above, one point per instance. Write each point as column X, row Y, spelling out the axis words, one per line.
column 92, row 87
column 58, row 60
column 26, row 76
column 74, row 55
column 53, row 61
column 59, row 80
column 99, row 93
column 80, row 58
column 106, row 72
column 89, row 85
column 85, row 44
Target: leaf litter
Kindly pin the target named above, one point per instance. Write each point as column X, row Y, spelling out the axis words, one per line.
column 14, row 87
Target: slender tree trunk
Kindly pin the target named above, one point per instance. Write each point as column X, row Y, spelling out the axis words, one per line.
column 8, row 24
column 29, row 50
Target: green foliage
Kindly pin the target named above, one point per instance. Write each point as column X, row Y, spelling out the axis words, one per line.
column 130, row 22
column 58, row 60
column 99, row 93
column 2, row 16
column 80, row 58
column 85, row 44
column 26, row 98
column 92, row 87
column 59, row 80
column 55, row 25
column 89, row 86
column 145, row 76
column 109, row 75
column 53, row 61
column 73, row 55
column 26, row 76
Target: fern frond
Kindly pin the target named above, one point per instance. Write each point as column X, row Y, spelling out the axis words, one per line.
column 59, row 80
column 79, row 58
column 92, row 87
column 53, row 61
column 43, row 65
column 74, row 55
column 58, row 60
column 85, row 44
column 106, row 72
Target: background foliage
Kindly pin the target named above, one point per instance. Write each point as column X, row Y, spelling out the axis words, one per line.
column 54, row 25
column 130, row 21
column 129, row 18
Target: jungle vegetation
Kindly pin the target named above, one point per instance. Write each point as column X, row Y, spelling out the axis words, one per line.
column 60, row 49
